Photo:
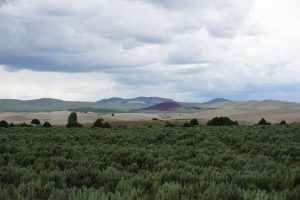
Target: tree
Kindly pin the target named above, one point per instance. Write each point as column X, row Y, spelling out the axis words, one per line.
column 222, row 121
column 194, row 122
column 3, row 124
column 98, row 123
column 35, row 122
column 283, row 122
column 47, row 125
column 72, row 121
column 263, row 122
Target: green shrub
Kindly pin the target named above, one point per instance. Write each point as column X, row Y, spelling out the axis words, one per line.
column 106, row 125
column 72, row 121
column 263, row 122
column 283, row 122
column 4, row 124
column 222, row 121
column 98, row 123
column 47, row 125
column 35, row 122
column 194, row 122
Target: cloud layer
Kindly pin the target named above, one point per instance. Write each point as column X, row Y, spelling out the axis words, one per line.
column 191, row 50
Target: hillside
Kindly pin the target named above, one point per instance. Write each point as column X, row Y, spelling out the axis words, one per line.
column 166, row 106
column 136, row 105
column 40, row 105
column 144, row 101
column 252, row 105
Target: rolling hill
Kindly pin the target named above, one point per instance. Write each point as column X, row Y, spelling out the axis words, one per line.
column 252, row 104
column 162, row 107
column 137, row 105
column 144, row 101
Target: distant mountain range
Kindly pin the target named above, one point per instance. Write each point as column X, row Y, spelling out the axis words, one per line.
column 138, row 104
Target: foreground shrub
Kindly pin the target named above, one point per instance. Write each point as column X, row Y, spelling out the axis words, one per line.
column 222, row 121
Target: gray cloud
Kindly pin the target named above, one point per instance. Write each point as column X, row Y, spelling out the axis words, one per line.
column 191, row 47
column 95, row 36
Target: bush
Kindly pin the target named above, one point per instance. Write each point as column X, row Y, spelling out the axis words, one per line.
column 186, row 124
column 47, row 125
column 35, row 122
column 98, row 123
column 25, row 125
column 283, row 122
column 263, row 122
column 72, row 121
column 11, row 125
column 3, row 124
column 168, row 124
column 106, row 125
column 194, row 122
column 222, row 121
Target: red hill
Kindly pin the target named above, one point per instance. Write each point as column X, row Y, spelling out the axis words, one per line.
column 165, row 106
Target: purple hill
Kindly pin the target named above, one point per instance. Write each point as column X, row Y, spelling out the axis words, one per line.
column 165, row 106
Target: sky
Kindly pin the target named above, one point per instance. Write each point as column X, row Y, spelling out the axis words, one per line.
column 188, row 50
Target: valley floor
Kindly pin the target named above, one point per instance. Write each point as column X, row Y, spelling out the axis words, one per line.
column 244, row 116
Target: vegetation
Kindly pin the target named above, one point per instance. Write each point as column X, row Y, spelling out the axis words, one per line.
column 72, row 121
column 35, row 122
column 283, row 122
column 4, row 124
column 106, row 125
column 222, row 121
column 263, row 122
column 194, row 122
column 47, row 125
column 98, row 123
column 240, row 162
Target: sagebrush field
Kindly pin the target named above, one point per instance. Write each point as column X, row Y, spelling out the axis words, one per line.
column 245, row 162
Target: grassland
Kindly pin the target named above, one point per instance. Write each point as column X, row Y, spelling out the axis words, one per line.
column 126, row 162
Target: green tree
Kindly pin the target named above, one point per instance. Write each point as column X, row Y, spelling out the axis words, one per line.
column 3, row 124
column 263, row 122
column 35, row 122
column 98, row 123
column 72, row 121
column 283, row 122
column 222, row 121
column 47, row 125
column 194, row 122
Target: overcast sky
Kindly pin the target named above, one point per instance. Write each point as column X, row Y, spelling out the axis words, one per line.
column 189, row 50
